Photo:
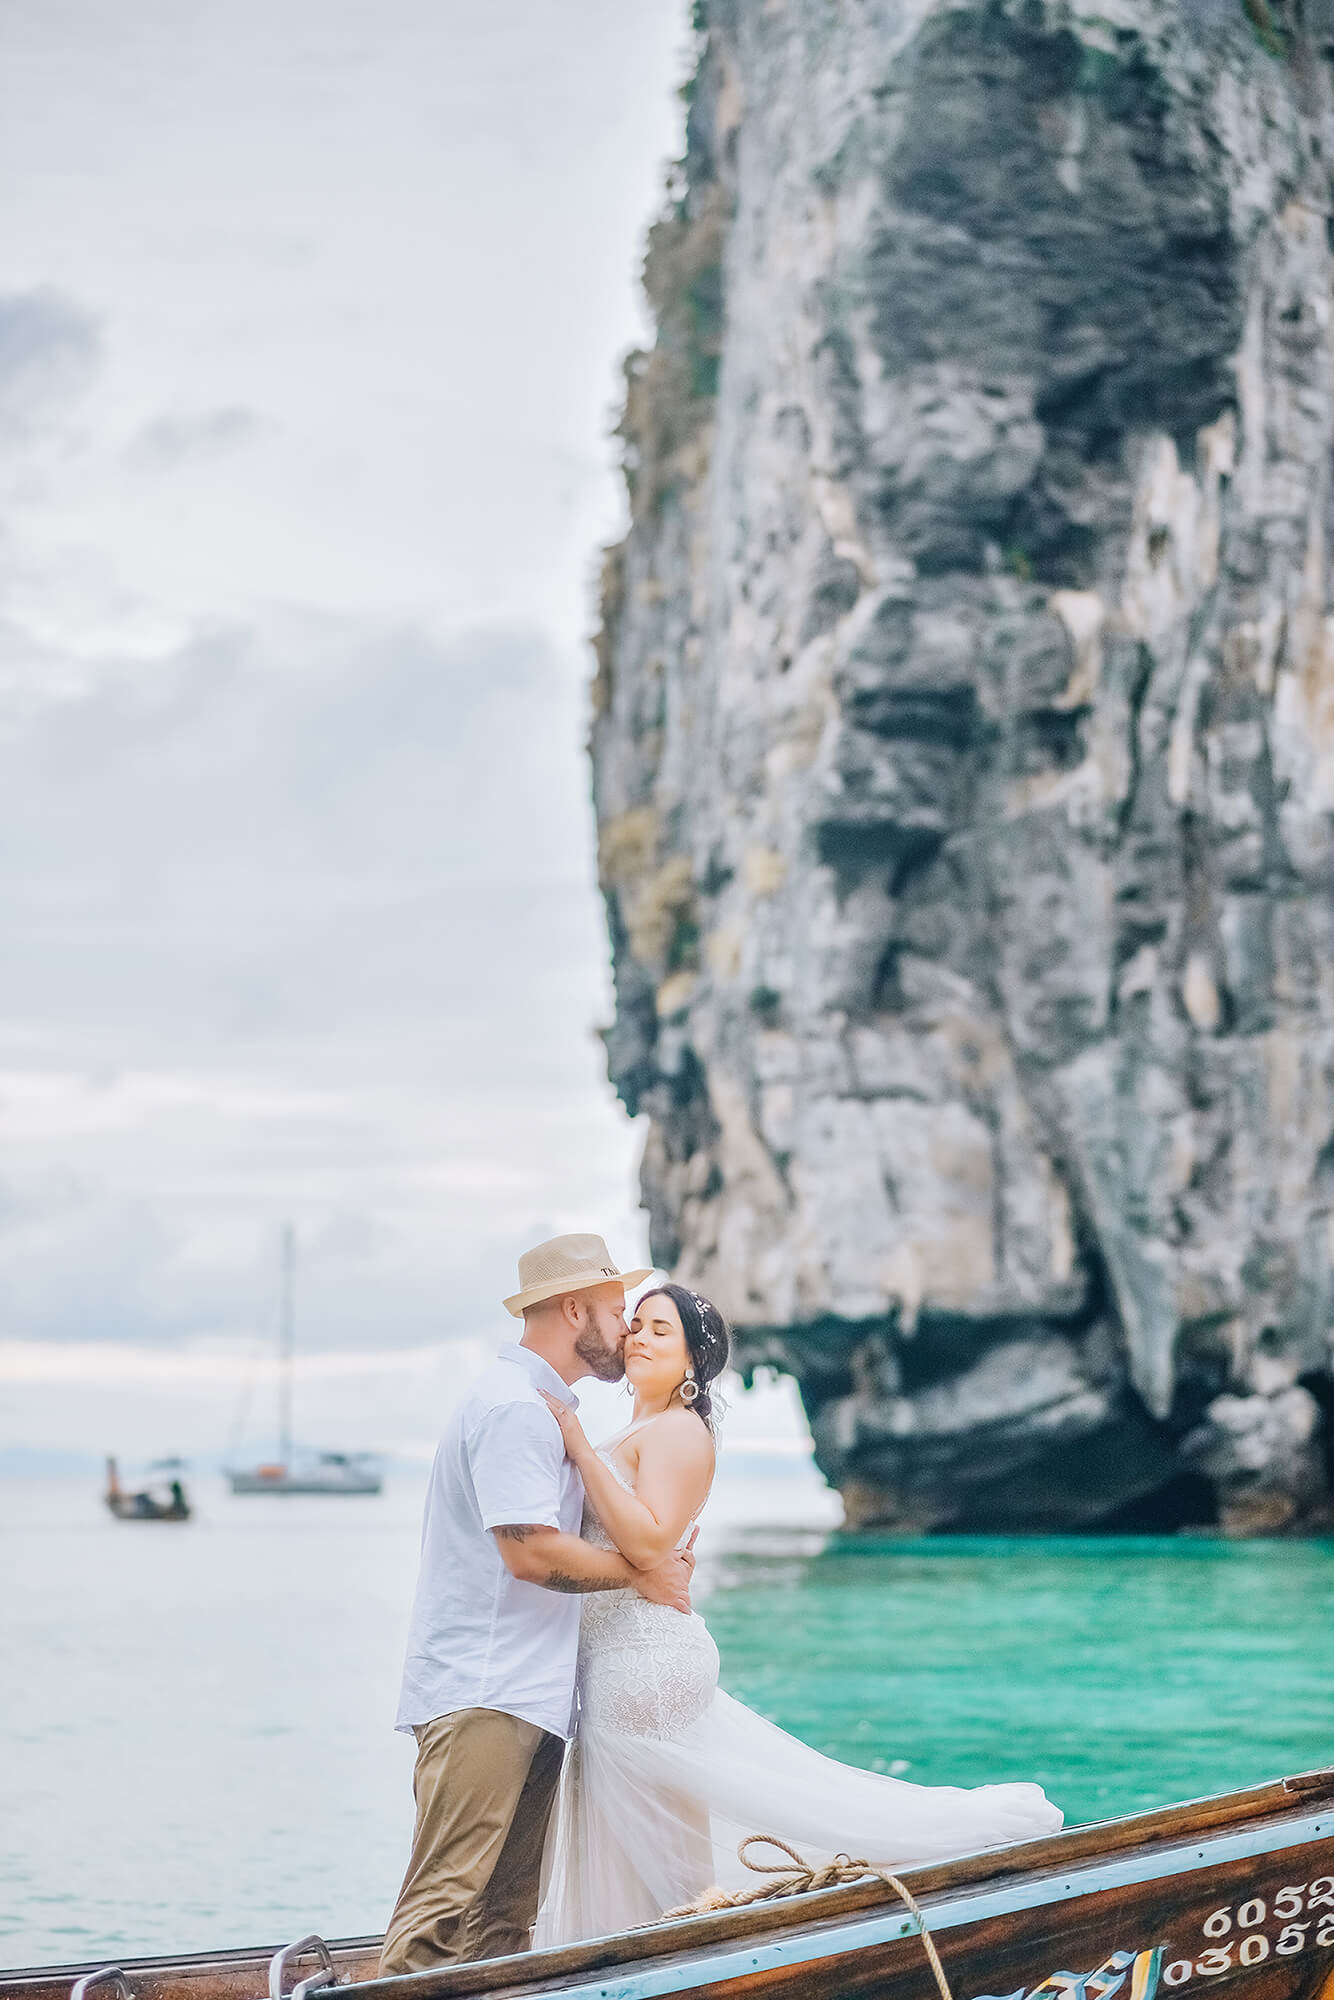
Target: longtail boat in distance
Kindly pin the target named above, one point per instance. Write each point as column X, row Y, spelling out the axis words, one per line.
column 1234, row 1894
column 162, row 1499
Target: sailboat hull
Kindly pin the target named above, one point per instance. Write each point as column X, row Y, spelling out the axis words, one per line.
column 334, row 1480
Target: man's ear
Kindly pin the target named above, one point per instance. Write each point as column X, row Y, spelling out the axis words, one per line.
column 572, row 1308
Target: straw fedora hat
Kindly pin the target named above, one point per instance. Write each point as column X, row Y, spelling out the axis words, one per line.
column 567, row 1264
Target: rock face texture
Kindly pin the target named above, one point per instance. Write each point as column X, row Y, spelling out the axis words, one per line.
column 964, row 748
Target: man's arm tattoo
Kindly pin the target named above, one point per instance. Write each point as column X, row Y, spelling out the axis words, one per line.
column 573, row 1586
column 579, row 1586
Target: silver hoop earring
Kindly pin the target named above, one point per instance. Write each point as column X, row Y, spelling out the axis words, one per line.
column 689, row 1389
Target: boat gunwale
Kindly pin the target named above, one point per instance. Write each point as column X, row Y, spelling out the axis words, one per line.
column 1280, row 1800
column 683, row 1943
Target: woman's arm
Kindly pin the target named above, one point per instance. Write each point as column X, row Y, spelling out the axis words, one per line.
column 675, row 1471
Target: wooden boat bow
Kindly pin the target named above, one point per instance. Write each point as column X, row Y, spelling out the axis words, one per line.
column 1235, row 1892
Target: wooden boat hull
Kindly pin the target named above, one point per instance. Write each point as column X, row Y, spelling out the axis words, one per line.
column 128, row 1507
column 1235, row 1893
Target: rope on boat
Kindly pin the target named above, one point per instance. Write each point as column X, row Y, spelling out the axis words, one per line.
column 800, row 1879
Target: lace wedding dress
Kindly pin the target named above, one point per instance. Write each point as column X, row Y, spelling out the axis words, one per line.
column 667, row 1773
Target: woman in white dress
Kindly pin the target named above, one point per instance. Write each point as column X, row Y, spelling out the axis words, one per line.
column 667, row 1773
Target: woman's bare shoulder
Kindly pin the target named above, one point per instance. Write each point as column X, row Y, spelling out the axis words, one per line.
column 680, row 1435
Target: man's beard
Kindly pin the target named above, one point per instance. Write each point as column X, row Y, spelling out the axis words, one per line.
column 605, row 1364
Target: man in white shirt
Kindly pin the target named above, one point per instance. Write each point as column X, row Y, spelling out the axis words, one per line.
column 488, row 1685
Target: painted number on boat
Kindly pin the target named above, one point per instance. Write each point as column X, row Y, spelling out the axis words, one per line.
column 1247, row 1933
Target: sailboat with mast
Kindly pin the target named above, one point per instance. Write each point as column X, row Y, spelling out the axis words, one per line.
column 330, row 1471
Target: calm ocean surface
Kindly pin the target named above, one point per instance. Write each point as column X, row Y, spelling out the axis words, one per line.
column 195, row 1742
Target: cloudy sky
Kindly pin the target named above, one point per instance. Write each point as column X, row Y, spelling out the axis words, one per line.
column 310, row 321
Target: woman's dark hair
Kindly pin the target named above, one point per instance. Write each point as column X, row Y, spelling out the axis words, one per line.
column 708, row 1342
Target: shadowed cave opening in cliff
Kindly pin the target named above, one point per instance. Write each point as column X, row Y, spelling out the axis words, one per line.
column 895, row 1485
column 1320, row 1386
column 1186, row 1500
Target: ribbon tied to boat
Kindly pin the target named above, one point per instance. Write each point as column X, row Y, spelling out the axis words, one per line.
column 795, row 1876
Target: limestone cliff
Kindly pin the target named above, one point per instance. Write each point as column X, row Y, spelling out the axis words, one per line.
column 964, row 747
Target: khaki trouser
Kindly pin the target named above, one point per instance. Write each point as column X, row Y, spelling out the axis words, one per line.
column 485, row 1784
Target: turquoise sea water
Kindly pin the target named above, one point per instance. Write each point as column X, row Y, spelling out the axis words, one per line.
column 194, row 1722
column 1119, row 1673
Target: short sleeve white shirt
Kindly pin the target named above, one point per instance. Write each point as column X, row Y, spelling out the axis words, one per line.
column 479, row 1637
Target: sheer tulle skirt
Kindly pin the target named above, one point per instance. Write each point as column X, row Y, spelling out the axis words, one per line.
column 667, row 1774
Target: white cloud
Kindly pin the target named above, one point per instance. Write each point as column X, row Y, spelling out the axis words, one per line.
column 173, row 439
column 308, row 340
column 50, row 347
column 408, row 238
column 307, row 930
column 288, row 825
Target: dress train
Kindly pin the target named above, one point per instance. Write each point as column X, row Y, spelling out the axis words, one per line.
column 667, row 1774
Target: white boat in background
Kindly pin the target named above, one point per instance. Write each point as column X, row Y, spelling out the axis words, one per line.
column 326, row 1472
column 331, row 1472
